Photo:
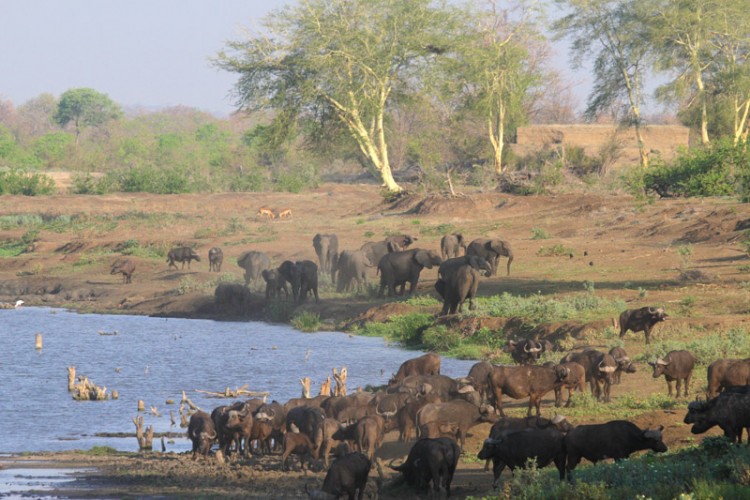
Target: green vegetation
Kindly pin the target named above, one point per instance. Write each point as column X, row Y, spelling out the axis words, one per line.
column 537, row 233
column 715, row 469
column 734, row 343
column 16, row 246
column 306, row 321
column 557, row 250
column 24, row 183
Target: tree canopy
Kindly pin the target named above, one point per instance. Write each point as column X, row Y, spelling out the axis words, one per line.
column 85, row 107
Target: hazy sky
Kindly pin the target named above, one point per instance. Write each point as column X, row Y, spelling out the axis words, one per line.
column 139, row 52
column 151, row 53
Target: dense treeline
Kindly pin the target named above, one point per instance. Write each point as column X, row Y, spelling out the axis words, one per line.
column 431, row 87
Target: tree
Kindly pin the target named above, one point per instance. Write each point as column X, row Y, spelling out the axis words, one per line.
column 85, row 108
column 681, row 32
column 339, row 59
column 495, row 70
column 614, row 32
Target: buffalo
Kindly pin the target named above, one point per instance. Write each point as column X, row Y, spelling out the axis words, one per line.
column 346, row 475
column 182, row 254
column 369, row 432
column 726, row 373
column 574, row 380
column 730, row 410
column 676, row 366
column 124, row 266
column 624, row 365
column 641, row 320
column 430, row 459
column 599, row 368
column 458, row 416
column 215, row 259
column 524, row 352
column 427, row 364
column 522, row 381
column 514, row 449
column 617, row 439
column 202, row 433
column 300, row 445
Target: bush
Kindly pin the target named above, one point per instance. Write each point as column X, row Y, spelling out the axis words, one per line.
column 306, row 321
column 27, row 184
column 719, row 169
column 439, row 338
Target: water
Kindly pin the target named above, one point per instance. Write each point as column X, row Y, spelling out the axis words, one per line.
column 19, row 482
column 155, row 359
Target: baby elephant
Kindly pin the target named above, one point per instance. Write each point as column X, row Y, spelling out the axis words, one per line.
column 676, row 365
column 274, row 284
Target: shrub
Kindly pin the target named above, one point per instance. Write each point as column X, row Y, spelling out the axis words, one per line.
column 306, row 321
column 439, row 338
column 27, row 184
column 537, row 233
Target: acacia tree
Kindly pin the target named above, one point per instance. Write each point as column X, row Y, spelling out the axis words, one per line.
column 494, row 71
column 339, row 59
column 613, row 32
column 85, row 108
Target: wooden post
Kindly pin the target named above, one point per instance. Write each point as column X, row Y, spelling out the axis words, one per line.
column 340, row 381
column 38, row 341
column 141, row 405
column 305, row 387
column 325, row 387
column 115, row 394
column 71, row 378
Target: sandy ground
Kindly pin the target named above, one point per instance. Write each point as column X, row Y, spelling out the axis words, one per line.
column 632, row 251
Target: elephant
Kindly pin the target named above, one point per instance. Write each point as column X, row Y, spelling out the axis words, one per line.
column 351, row 265
column 399, row 267
column 215, row 258
column 451, row 245
column 302, row 276
column 326, row 247
column 274, row 284
column 491, row 250
column 375, row 250
column 449, row 267
column 253, row 262
column 461, row 285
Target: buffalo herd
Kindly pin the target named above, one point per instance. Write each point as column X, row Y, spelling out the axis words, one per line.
column 344, row 432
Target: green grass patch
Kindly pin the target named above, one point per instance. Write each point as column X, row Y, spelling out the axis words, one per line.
column 557, row 250
column 734, row 343
column 438, row 230
column 537, row 233
column 306, row 321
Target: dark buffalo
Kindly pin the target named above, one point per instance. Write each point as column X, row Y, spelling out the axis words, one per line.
column 729, row 410
column 459, row 416
column 617, row 439
column 443, row 386
column 641, row 320
column 514, row 449
column 599, row 368
column 306, row 420
column 427, row 364
column 215, row 259
column 239, row 425
column 676, row 366
column 624, row 365
column 727, row 373
column 430, row 460
column 182, row 254
column 226, row 436
column 124, row 266
column 346, row 475
column 479, row 374
column 273, row 415
column 202, row 433
column 574, row 380
column 524, row 352
column 525, row 381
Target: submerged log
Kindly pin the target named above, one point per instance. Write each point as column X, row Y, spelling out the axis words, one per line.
column 227, row 393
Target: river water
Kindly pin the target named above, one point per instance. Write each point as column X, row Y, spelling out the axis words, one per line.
column 155, row 359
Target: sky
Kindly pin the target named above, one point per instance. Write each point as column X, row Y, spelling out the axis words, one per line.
column 141, row 53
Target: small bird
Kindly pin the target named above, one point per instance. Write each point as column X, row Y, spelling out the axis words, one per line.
column 8, row 305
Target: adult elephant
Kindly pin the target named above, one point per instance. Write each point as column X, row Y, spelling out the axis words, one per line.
column 451, row 245
column 326, row 247
column 254, row 263
column 351, row 265
column 376, row 250
column 289, row 273
column 491, row 250
column 399, row 267
column 458, row 279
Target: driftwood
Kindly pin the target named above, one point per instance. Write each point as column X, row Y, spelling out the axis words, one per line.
column 145, row 440
column 85, row 390
column 340, row 379
column 305, row 387
column 190, row 404
column 38, row 342
column 325, row 387
column 71, row 378
column 228, row 393
column 155, row 411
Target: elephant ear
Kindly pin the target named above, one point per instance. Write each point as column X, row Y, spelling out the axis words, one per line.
column 422, row 257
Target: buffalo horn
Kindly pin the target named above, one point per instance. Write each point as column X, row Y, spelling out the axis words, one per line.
column 397, row 468
column 660, row 361
column 557, row 419
column 653, row 433
column 294, row 428
column 606, row 369
column 651, row 310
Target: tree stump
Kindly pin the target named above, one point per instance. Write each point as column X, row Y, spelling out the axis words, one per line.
column 71, row 378
column 305, row 387
column 145, row 439
column 340, row 379
column 325, row 387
